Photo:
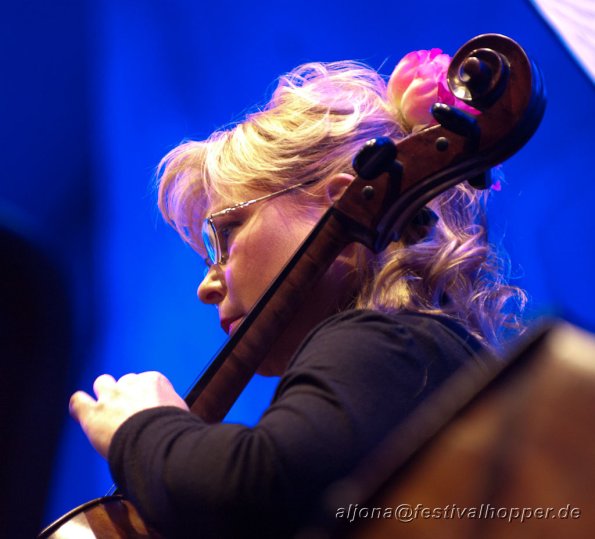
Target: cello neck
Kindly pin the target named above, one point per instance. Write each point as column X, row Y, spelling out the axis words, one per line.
column 217, row 389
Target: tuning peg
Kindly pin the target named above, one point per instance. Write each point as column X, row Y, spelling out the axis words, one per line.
column 455, row 120
column 377, row 156
column 481, row 181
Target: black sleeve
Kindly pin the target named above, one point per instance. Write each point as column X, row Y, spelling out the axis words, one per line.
column 351, row 382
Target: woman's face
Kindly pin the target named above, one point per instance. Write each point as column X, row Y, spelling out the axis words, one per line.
column 261, row 239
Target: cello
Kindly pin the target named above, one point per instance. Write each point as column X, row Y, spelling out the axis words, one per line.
column 394, row 181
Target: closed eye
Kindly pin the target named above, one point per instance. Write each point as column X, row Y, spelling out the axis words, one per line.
column 226, row 229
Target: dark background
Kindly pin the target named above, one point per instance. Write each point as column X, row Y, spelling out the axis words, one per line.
column 93, row 94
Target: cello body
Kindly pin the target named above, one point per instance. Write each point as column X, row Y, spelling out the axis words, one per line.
column 505, row 451
column 109, row 517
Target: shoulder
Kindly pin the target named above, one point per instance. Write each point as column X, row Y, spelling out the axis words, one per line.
column 411, row 351
column 398, row 334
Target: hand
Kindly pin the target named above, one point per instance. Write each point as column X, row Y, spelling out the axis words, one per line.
column 117, row 401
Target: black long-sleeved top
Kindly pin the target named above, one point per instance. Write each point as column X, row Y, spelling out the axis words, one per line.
column 353, row 379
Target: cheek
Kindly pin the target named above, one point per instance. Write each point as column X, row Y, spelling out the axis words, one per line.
column 265, row 254
column 262, row 249
column 283, row 240
column 254, row 261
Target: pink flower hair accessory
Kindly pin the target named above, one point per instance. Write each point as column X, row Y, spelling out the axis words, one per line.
column 417, row 82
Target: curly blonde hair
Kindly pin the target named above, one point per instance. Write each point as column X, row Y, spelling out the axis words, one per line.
column 317, row 119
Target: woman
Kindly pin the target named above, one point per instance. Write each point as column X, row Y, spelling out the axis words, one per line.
column 377, row 335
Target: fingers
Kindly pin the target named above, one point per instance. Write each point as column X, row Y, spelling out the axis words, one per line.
column 149, row 377
column 158, row 379
column 103, row 384
column 80, row 404
column 131, row 393
column 116, row 401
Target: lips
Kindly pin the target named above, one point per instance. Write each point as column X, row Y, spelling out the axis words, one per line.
column 235, row 324
column 230, row 324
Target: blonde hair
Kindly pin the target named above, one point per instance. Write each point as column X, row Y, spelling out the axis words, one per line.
column 317, row 119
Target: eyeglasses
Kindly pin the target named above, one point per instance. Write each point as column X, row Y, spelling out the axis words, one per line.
column 215, row 242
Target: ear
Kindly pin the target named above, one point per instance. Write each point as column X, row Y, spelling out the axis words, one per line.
column 336, row 186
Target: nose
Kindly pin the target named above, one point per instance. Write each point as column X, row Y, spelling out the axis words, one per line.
column 212, row 289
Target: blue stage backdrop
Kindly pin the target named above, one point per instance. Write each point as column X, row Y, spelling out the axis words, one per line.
column 135, row 78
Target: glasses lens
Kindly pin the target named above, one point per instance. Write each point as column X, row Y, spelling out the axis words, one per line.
column 209, row 239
